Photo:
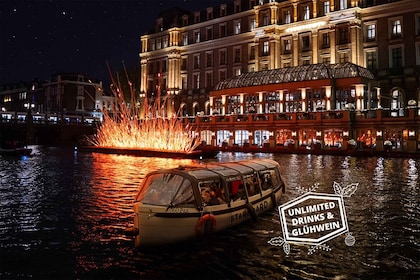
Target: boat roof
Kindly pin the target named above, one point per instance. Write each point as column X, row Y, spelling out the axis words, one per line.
column 228, row 169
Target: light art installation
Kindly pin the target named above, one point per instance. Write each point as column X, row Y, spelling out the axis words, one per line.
column 125, row 126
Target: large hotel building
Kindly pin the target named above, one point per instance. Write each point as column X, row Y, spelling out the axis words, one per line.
column 300, row 73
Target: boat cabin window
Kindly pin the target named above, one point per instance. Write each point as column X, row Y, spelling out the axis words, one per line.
column 166, row 189
column 269, row 178
column 251, row 184
column 236, row 189
column 212, row 193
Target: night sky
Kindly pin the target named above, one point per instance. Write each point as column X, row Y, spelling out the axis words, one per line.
column 40, row 38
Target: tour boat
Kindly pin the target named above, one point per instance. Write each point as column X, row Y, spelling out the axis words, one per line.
column 174, row 205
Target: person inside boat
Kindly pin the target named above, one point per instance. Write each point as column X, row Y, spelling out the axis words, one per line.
column 214, row 200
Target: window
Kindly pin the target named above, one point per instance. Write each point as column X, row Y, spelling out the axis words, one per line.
column 209, row 13
column 287, row 46
column 196, row 61
column 305, row 43
column 266, row 48
column 343, row 35
column 209, row 31
column 165, row 41
column 396, row 28
column 237, row 71
column 252, row 53
column 418, row 54
column 253, row 24
column 222, row 75
column 237, row 6
column 196, row 81
column 185, row 20
column 265, row 20
column 197, row 36
column 184, row 63
column 196, row 17
column 222, row 30
column 185, row 39
column 306, row 13
column 418, row 25
column 326, row 7
column 396, row 57
column 343, row 4
column 343, row 57
column 237, row 27
column 325, row 40
column 370, row 32
column 287, row 17
column 222, row 57
column 209, row 79
column 237, row 55
column 326, row 60
column 371, row 60
column 209, row 59
column 223, row 10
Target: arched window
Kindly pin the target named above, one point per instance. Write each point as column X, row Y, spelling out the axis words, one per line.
column 241, row 137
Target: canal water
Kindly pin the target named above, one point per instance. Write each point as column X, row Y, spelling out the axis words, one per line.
column 62, row 214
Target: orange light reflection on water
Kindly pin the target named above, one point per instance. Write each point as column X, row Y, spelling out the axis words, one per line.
column 108, row 199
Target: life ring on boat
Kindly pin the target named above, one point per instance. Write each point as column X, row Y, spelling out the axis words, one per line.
column 251, row 211
column 206, row 225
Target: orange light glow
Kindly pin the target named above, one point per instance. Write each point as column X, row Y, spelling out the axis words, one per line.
column 125, row 127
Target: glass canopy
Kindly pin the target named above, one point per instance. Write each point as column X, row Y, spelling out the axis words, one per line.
column 296, row 74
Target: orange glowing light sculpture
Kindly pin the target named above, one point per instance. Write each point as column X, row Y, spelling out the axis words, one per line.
column 124, row 127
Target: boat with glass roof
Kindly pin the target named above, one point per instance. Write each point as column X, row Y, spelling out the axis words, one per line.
column 173, row 205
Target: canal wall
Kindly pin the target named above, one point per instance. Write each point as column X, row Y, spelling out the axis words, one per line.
column 46, row 134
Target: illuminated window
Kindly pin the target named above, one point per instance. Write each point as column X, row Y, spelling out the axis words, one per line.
column 237, row 28
column 266, row 48
column 326, row 7
column 396, row 28
column 252, row 24
column 371, row 32
column 306, row 13
column 197, row 36
column 185, row 39
column 287, row 17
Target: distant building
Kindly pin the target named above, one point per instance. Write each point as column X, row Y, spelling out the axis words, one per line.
column 64, row 97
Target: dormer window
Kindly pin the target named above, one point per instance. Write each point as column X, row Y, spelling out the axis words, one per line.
column 196, row 17
column 237, row 6
column 223, row 10
column 185, row 20
column 209, row 13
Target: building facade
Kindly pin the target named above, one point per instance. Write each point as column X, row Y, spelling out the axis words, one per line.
column 190, row 57
column 63, row 98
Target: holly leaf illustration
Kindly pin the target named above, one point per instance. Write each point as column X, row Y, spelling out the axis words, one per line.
column 337, row 188
column 286, row 248
column 276, row 241
column 349, row 190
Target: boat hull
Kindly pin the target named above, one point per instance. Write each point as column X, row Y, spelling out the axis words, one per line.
column 159, row 226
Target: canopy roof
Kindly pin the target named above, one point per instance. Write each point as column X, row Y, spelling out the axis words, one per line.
column 296, row 74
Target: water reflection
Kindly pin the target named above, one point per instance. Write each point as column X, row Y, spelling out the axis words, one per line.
column 62, row 213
